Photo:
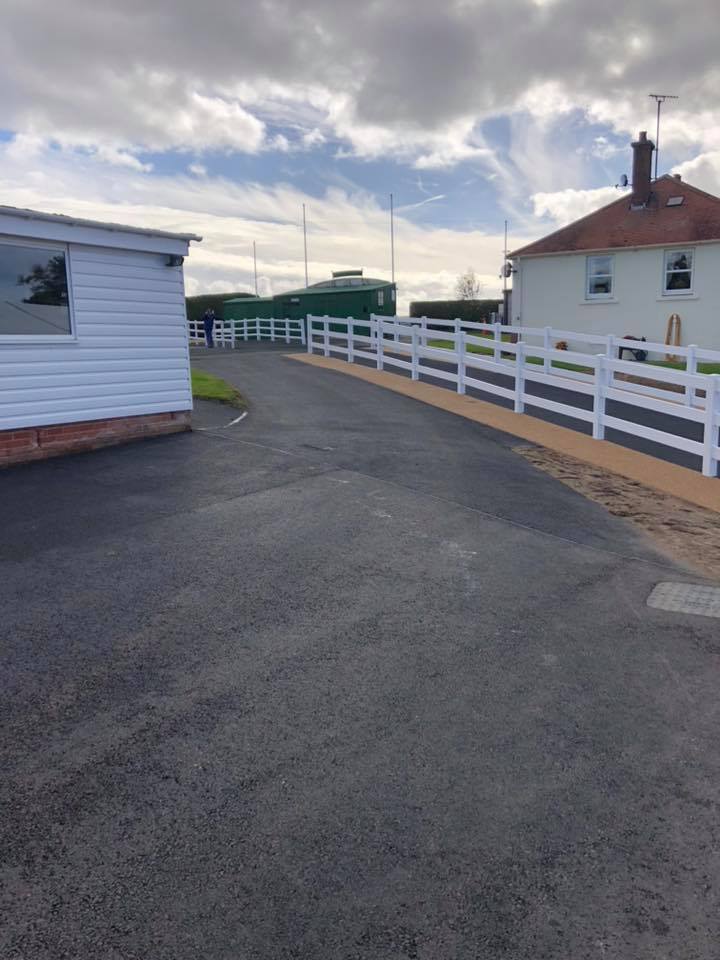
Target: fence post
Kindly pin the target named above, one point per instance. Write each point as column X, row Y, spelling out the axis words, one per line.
column 414, row 359
column 303, row 338
column 710, row 434
column 460, row 347
column 257, row 329
column 520, row 377
column 287, row 330
column 598, row 422
column 397, row 331
column 423, row 328
column 272, row 329
column 379, row 343
column 691, row 368
column 547, row 340
column 326, row 337
column 309, row 334
column 232, row 333
column 497, row 342
column 350, row 341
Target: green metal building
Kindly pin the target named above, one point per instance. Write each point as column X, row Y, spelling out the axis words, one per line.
column 348, row 294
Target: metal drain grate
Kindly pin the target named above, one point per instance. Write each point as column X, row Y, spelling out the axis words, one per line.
column 686, row 598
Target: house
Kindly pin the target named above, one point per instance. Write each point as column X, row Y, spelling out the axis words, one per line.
column 347, row 294
column 93, row 335
column 629, row 267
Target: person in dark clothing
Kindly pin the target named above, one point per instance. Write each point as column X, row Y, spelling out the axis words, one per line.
column 209, row 326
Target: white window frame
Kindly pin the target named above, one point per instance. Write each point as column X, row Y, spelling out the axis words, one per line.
column 600, row 296
column 40, row 337
column 689, row 291
column 381, row 298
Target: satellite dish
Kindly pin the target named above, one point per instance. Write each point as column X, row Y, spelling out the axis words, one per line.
column 623, row 181
column 507, row 270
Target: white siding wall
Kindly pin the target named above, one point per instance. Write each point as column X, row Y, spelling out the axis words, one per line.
column 130, row 355
column 550, row 291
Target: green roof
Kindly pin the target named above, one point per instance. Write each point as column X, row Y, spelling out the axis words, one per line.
column 250, row 300
column 321, row 290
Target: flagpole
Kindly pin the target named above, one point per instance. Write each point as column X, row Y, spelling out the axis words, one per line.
column 305, row 244
column 255, row 267
column 392, row 240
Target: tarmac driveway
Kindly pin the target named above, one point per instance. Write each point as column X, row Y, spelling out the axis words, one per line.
column 348, row 679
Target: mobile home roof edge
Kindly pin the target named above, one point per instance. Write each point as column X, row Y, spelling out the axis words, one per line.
column 69, row 221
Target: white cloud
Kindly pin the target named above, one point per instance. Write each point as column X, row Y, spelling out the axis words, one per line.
column 197, row 169
column 410, row 79
column 703, row 171
column 564, row 206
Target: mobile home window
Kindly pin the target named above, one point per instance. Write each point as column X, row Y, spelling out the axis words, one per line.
column 34, row 298
column 678, row 272
column 599, row 278
column 381, row 298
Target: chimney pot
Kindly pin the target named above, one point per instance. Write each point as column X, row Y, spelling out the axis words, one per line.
column 676, row 176
column 642, row 170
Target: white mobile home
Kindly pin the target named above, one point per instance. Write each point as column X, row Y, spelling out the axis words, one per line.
column 93, row 334
column 629, row 267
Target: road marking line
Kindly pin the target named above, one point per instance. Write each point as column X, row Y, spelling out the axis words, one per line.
column 237, row 419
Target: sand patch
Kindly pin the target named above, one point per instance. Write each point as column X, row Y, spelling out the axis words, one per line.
column 687, row 533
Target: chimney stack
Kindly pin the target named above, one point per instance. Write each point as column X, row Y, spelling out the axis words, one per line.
column 642, row 170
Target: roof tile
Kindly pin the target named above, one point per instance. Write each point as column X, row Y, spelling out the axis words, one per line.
column 616, row 225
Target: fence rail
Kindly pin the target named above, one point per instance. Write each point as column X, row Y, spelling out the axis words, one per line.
column 226, row 333
column 404, row 343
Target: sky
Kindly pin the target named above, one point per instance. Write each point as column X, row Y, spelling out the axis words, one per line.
column 224, row 117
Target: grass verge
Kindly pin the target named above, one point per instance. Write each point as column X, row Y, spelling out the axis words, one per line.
column 205, row 386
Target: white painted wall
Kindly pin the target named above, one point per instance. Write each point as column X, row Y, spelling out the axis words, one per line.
column 129, row 355
column 550, row 291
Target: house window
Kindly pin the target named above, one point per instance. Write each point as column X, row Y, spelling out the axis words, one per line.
column 677, row 275
column 599, row 278
column 381, row 298
column 34, row 299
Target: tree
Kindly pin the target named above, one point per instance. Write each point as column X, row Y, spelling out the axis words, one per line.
column 468, row 286
column 47, row 282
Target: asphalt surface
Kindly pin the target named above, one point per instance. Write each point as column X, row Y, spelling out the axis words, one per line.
column 349, row 679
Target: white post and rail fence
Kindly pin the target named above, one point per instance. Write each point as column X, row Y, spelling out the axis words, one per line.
column 467, row 350
column 227, row 333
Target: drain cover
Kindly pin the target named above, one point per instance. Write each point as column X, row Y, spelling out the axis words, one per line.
column 686, row 598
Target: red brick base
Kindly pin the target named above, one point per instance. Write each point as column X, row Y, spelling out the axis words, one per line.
column 37, row 443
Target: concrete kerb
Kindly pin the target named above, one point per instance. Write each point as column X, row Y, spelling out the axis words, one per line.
column 653, row 473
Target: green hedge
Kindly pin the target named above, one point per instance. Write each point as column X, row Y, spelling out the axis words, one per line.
column 473, row 311
column 196, row 306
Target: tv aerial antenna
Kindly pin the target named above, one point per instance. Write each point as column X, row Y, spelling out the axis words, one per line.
column 660, row 99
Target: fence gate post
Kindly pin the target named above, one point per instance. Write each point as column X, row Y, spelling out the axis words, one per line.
column 520, row 377
column 350, row 341
column 497, row 345
column 414, row 372
column 598, row 422
column 460, row 347
column 379, row 343
column 287, row 330
column 326, row 338
column 691, row 367
column 309, row 337
column 710, row 435
column 423, row 329
column 547, row 340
